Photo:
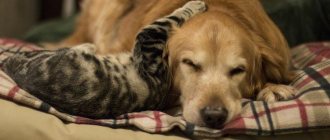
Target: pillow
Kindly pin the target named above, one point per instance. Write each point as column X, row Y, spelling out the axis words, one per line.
column 309, row 111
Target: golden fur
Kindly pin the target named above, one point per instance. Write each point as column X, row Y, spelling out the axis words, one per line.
column 229, row 52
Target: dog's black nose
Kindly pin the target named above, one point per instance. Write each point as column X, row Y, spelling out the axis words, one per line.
column 214, row 117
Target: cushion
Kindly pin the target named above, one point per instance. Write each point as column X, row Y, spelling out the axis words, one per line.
column 309, row 111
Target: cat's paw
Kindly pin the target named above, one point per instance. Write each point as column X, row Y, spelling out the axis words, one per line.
column 196, row 6
column 276, row 92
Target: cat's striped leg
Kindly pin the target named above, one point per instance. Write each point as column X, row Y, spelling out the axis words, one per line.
column 150, row 50
column 151, row 41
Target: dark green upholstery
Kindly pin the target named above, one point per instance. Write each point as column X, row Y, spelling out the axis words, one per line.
column 51, row 31
column 301, row 20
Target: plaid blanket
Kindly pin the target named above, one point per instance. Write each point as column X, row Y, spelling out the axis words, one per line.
column 309, row 111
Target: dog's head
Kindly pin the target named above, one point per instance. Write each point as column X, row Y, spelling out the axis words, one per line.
column 217, row 60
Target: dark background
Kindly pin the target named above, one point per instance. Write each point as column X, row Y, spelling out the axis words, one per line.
column 19, row 16
column 50, row 20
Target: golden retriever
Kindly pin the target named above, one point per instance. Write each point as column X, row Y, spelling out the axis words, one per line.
column 230, row 52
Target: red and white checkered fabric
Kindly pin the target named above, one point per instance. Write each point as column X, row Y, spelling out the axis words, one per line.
column 309, row 111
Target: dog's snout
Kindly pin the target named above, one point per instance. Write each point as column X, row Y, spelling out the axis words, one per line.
column 214, row 117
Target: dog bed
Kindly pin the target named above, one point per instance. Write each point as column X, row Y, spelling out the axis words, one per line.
column 309, row 111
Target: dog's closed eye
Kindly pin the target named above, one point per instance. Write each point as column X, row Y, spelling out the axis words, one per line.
column 191, row 64
column 236, row 71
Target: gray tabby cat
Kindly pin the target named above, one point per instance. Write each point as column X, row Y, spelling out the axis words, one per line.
column 76, row 81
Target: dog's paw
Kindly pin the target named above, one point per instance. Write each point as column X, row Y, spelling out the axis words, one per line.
column 196, row 6
column 276, row 92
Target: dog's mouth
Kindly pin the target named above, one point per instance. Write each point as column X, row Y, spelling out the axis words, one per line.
column 203, row 124
column 211, row 117
column 214, row 117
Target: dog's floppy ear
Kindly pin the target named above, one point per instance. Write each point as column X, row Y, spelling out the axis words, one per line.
column 271, row 65
column 274, row 66
column 268, row 66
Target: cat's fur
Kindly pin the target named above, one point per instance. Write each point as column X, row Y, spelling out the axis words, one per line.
column 79, row 82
